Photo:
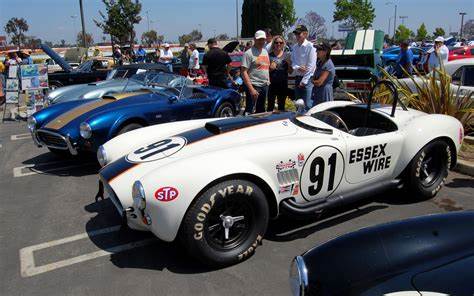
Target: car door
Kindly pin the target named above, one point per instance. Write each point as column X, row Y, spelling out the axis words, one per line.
column 462, row 80
column 371, row 157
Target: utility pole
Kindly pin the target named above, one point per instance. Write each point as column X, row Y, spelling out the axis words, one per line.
column 237, row 19
column 83, row 27
column 148, row 21
column 389, row 25
column 462, row 14
column 395, row 22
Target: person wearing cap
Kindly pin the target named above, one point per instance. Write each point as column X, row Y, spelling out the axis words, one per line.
column 184, row 57
column 193, row 59
column 404, row 60
column 303, row 60
column 140, row 54
column 324, row 75
column 166, row 57
column 118, row 55
column 216, row 63
column 438, row 54
column 255, row 73
column 26, row 59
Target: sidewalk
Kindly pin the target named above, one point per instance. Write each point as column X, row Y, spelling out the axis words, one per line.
column 465, row 163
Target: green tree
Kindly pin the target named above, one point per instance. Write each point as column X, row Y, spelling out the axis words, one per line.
column 150, row 37
column 402, row 33
column 16, row 28
column 195, row 35
column 358, row 14
column 421, row 33
column 119, row 19
column 49, row 43
column 259, row 14
column 222, row 36
column 468, row 29
column 438, row 32
column 32, row 42
column 89, row 39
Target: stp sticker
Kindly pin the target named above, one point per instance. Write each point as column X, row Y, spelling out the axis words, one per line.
column 166, row 194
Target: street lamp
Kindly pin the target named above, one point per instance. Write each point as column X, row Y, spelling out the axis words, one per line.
column 394, row 18
column 237, row 20
column 462, row 14
column 83, row 26
column 148, row 20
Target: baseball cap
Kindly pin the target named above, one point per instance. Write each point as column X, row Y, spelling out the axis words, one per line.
column 260, row 34
column 166, row 45
column 439, row 39
column 300, row 28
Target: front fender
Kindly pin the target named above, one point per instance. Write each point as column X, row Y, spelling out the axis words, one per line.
column 185, row 177
column 230, row 96
column 422, row 130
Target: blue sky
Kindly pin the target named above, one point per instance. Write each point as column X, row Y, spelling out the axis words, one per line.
column 51, row 19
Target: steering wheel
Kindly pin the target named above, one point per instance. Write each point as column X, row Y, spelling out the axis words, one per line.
column 331, row 118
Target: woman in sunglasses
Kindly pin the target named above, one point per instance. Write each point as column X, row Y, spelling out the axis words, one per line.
column 279, row 69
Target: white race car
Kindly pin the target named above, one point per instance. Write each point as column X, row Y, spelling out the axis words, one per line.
column 216, row 183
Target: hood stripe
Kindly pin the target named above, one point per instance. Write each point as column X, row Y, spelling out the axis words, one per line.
column 121, row 165
column 60, row 121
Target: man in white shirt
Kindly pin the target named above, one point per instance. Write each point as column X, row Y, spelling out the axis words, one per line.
column 438, row 54
column 303, row 61
column 193, row 59
column 166, row 57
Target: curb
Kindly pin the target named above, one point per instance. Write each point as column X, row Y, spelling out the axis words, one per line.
column 469, row 140
column 464, row 167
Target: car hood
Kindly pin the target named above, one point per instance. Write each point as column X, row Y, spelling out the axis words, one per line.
column 57, row 58
column 77, row 91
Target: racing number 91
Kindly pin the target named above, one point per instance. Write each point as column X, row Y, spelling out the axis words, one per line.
column 322, row 172
column 157, row 150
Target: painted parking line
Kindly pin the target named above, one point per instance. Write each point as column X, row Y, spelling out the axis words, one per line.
column 35, row 169
column 27, row 259
column 20, row 137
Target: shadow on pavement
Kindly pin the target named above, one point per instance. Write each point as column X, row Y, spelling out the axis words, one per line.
column 461, row 182
column 52, row 164
column 158, row 255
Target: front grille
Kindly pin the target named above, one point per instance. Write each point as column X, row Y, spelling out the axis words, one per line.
column 51, row 139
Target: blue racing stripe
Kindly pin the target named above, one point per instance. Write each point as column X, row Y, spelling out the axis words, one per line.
column 115, row 168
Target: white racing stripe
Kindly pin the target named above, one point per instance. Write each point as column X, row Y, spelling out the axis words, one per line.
column 20, row 137
column 27, row 260
column 32, row 169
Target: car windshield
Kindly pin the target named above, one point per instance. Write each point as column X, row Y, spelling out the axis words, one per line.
column 310, row 122
column 159, row 82
column 86, row 66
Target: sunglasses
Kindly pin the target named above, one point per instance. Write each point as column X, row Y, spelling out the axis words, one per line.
column 278, row 42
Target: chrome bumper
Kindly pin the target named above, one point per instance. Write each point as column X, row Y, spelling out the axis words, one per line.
column 67, row 140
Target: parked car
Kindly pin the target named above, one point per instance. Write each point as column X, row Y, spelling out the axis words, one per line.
column 428, row 255
column 90, row 71
column 79, row 126
column 357, row 65
column 116, row 82
column 390, row 55
column 247, row 170
column 462, row 75
column 461, row 53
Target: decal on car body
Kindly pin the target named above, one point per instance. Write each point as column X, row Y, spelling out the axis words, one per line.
column 373, row 157
column 166, row 194
column 157, row 150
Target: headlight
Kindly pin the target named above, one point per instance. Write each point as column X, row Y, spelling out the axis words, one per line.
column 31, row 123
column 138, row 195
column 102, row 156
column 85, row 130
column 298, row 277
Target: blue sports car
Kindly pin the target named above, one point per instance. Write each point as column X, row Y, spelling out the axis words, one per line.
column 390, row 55
column 149, row 98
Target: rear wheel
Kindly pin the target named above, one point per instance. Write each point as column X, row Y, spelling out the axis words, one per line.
column 226, row 223
column 129, row 127
column 225, row 110
column 428, row 170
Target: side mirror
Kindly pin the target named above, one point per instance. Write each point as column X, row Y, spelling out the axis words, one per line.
column 172, row 98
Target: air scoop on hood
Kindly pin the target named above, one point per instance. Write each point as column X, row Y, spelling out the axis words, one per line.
column 230, row 124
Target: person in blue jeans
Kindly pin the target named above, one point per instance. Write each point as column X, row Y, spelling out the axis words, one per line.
column 303, row 61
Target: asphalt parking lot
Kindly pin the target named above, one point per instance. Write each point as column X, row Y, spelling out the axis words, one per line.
column 57, row 240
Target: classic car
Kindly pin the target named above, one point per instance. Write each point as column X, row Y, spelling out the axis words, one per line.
column 462, row 75
column 464, row 52
column 152, row 97
column 116, row 81
column 390, row 55
column 357, row 65
column 215, row 183
column 90, row 71
column 429, row 255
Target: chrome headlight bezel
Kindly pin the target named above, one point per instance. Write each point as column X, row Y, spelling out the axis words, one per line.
column 138, row 195
column 85, row 130
column 31, row 123
column 298, row 277
column 102, row 156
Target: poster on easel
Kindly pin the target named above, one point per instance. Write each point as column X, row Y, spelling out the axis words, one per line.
column 34, row 77
column 12, row 84
column 13, row 72
column 11, row 97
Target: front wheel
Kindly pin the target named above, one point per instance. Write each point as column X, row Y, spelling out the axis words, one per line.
column 225, row 110
column 428, row 170
column 129, row 127
column 226, row 223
